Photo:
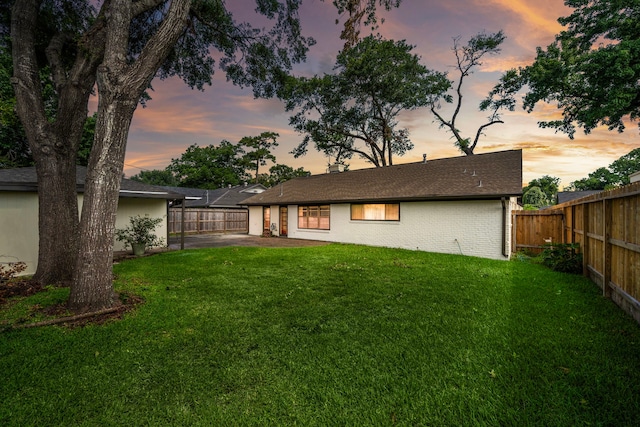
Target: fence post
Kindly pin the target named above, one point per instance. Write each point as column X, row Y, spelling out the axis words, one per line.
column 606, row 231
column 585, row 239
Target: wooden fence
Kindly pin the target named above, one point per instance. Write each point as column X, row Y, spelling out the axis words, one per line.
column 532, row 229
column 209, row 220
column 607, row 228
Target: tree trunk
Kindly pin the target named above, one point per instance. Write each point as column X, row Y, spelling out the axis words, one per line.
column 92, row 287
column 120, row 86
column 54, row 142
column 57, row 218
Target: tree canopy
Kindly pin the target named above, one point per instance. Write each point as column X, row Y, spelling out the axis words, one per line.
column 259, row 151
column 213, row 166
column 535, row 197
column 164, row 177
column 548, row 185
column 354, row 111
column 281, row 173
column 224, row 164
column 615, row 175
column 592, row 69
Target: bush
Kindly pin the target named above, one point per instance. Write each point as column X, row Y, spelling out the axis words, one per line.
column 563, row 257
column 141, row 230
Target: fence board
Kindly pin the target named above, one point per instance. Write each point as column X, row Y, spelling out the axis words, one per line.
column 198, row 220
column 532, row 229
column 607, row 228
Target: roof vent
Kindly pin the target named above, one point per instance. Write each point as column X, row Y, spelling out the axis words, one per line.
column 424, row 158
column 480, row 183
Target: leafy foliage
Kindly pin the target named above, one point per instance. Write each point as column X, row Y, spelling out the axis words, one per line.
column 360, row 12
column 210, row 167
column 280, row 173
column 615, row 175
column 222, row 165
column 259, row 150
column 548, row 185
column 354, row 111
column 141, row 230
column 535, row 197
column 562, row 257
column 592, row 69
column 156, row 177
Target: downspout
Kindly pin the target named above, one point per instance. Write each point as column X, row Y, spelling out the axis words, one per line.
column 505, row 253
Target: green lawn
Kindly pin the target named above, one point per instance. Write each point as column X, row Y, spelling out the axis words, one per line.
column 332, row 335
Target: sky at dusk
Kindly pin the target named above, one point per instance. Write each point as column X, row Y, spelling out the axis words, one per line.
column 177, row 116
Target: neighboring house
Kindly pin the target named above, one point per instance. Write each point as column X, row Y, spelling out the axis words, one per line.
column 19, row 211
column 213, row 211
column 459, row 205
column 228, row 197
column 567, row 196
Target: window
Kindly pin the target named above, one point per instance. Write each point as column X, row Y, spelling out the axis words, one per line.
column 376, row 212
column 316, row 217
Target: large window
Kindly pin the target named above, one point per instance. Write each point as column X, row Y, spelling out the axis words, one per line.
column 316, row 217
column 375, row 212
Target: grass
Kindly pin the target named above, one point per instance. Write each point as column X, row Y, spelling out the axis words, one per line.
column 332, row 335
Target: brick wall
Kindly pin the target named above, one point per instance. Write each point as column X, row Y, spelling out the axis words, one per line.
column 458, row 227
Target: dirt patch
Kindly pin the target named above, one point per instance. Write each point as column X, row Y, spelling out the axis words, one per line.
column 126, row 303
column 14, row 288
column 58, row 314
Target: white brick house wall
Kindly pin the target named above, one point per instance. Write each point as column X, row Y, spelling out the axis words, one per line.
column 472, row 228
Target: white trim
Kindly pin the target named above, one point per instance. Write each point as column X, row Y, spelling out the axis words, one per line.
column 144, row 192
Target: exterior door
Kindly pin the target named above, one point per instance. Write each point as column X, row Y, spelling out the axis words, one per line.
column 284, row 221
column 266, row 220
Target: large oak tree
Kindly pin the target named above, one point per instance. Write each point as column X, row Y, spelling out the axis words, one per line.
column 43, row 47
column 355, row 110
column 121, row 48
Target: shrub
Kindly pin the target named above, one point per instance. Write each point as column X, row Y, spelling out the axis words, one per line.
column 563, row 257
column 141, row 229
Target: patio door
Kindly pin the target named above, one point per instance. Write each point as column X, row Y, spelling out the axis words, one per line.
column 284, row 221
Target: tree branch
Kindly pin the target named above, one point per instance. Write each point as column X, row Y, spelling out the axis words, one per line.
column 26, row 77
column 479, row 132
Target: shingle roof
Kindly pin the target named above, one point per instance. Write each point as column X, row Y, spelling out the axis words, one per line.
column 220, row 197
column 25, row 179
column 566, row 196
column 481, row 176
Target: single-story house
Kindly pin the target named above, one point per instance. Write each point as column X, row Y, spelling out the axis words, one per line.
column 459, row 205
column 230, row 197
column 19, row 211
